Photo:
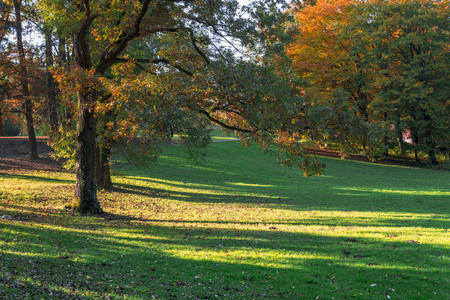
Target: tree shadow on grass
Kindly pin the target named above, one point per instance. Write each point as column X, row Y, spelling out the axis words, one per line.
column 140, row 191
column 425, row 219
column 178, row 262
column 35, row 178
column 347, row 186
column 15, row 165
column 49, row 216
column 424, row 210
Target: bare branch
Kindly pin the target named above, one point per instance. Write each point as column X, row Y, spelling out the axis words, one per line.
column 194, row 44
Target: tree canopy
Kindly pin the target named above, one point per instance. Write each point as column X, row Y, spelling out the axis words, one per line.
column 150, row 69
column 392, row 59
column 130, row 74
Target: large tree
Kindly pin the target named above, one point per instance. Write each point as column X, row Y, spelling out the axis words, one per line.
column 406, row 43
column 391, row 57
column 321, row 54
column 198, row 60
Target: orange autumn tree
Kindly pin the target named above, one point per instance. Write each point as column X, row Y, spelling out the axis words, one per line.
column 17, row 62
column 20, row 68
column 5, row 25
column 321, row 54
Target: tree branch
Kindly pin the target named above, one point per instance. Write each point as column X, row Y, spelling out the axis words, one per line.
column 116, row 48
column 194, row 44
column 214, row 120
column 153, row 61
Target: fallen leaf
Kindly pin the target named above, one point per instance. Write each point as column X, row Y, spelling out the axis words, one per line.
column 352, row 240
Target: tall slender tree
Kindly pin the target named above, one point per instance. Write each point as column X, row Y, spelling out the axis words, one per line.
column 23, row 78
column 51, row 95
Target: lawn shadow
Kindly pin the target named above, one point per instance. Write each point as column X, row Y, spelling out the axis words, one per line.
column 23, row 164
column 148, row 260
column 229, row 176
column 317, row 197
column 43, row 179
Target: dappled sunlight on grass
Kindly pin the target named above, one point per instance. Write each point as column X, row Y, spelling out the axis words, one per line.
column 249, row 184
column 267, row 258
column 244, row 228
column 83, row 251
column 411, row 192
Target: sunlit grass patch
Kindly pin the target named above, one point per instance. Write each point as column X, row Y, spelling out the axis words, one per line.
column 409, row 191
column 237, row 226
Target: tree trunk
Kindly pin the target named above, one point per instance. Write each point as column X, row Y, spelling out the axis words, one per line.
column 86, row 201
column 103, row 154
column 386, row 140
column 24, row 82
column 432, row 153
column 62, row 50
column 63, row 60
column 52, row 101
column 416, row 144
column 2, row 129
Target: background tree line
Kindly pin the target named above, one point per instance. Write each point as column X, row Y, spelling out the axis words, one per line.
column 391, row 58
column 131, row 74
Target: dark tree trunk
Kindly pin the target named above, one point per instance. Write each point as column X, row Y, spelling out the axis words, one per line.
column 28, row 106
column 415, row 143
column 386, row 140
column 432, row 153
column 2, row 130
column 86, row 185
column 62, row 50
column 63, row 59
column 52, row 101
column 30, row 129
column 103, row 155
column 86, row 201
column 429, row 138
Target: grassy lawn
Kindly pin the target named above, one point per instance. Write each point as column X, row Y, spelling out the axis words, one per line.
column 238, row 226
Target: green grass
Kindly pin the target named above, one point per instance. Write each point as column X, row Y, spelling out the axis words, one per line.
column 238, row 226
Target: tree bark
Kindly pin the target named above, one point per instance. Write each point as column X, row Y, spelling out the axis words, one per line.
column 86, row 184
column 63, row 60
column 432, row 153
column 103, row 154
column 86, row 201
column 52, row 101
column 2, row 128
column 28, row 106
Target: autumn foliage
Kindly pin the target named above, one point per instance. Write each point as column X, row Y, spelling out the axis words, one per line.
column 390, row 57
column 128, row 75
